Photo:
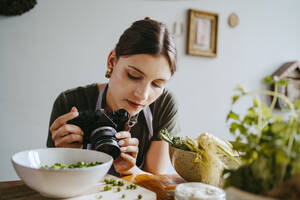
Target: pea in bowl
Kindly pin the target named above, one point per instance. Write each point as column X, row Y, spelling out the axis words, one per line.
column 61, row 172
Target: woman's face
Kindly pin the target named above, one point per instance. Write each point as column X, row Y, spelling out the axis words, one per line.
column 136, row 81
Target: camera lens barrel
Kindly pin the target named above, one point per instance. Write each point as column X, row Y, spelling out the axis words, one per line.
column 104, row 140
column 105, row 131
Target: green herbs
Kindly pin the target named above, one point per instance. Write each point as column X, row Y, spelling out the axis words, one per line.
column 269, row 143
column 205, row 143
column 211, row 153
column 72, row 166
column 176, row 142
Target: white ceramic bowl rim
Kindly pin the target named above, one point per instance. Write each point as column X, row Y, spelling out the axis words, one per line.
column 13, row 159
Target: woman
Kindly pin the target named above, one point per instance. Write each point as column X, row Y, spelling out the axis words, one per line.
column 138, row 69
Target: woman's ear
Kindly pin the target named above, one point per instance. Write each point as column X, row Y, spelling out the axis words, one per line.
column 112, row 59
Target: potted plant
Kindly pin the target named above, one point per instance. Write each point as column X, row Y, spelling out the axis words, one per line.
column 269, row 144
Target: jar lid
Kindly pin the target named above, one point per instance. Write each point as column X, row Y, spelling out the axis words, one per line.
column 198, row 191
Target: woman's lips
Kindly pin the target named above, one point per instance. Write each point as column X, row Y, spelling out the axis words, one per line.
column 134, row 105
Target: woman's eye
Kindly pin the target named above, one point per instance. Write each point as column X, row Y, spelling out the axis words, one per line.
column 157, row 85
column 133, row 77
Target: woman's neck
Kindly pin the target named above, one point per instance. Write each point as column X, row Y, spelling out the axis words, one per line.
column 106, row 106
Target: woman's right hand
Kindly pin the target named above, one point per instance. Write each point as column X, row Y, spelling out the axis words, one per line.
column 66, row 135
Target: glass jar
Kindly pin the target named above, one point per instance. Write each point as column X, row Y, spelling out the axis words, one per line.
column 198, row 191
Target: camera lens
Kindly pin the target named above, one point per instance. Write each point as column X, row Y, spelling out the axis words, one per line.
column 103, row 139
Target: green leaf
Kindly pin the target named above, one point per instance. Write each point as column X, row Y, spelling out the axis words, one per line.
column 253, row 156
column 265, row 129
column 164, row 135
column 235, row 98
column 248, row 120
column 277, row 118
column 268, row 80
column 297, row 104
column 233, row 127
column 241, row 89
column 281, row 157
column 278, row 127
column 288, row 106
column 266, row 111
column 251, row 113
column 255, row 102
column 243, row 130
column 232, row 115
column 283, row 82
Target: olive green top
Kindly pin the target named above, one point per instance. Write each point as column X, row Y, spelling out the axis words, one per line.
column 164, row 111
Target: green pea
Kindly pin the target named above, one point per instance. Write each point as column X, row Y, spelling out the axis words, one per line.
column 80, row 164
column 107, row 187
column 120, row 183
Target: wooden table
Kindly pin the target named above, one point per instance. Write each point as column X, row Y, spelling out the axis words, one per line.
column 162, row 185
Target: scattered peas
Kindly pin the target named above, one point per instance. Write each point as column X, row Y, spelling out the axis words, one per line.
column 131, row 186
column 100, row 196
column 120, row 183
column 140, row 196
column 112, row 182
column 80, row 164
column 107, row 187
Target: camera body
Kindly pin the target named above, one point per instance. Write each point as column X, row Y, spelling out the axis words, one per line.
column 99, row 129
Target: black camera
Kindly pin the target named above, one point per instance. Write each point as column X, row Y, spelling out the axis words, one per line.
column 99, row 129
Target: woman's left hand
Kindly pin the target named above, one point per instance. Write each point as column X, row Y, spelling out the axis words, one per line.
column 129, row 150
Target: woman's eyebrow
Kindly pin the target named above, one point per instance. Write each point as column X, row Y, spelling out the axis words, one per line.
column 140, row 71
column 136, row 69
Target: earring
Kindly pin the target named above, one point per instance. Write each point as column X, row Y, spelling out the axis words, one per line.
column 108, row 73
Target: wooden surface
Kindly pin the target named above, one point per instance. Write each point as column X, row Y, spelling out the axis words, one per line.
column 162, row 185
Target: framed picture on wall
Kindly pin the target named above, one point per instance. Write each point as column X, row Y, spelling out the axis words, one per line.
column 289, row 71
column 202, row 33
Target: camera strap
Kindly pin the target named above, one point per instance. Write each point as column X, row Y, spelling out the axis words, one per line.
column 146, row 111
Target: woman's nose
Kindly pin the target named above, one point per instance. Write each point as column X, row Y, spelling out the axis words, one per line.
column 142, row 92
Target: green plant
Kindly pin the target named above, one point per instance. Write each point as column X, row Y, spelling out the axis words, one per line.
column 269, row 144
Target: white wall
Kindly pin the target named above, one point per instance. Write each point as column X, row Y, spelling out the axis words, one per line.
column 64, row 43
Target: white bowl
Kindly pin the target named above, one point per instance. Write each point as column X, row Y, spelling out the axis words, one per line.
column 61, row 183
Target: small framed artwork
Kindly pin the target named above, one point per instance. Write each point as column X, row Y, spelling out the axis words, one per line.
column 202, row 33
column 291, row 72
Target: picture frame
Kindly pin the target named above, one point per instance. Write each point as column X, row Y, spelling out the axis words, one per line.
column 202, row 34
column 289, row 71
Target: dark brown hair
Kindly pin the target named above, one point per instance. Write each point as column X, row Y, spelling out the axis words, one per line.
column 148, row 37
